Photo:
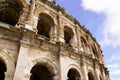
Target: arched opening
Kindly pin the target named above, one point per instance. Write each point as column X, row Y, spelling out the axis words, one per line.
column 95, row 51
column 90, row 76
column 100, row 78
column 84, row 44
column 40, row 72
column 2, row 70
column 68, row 35
column 73, row 74
column 10, row 11
column 45, row 24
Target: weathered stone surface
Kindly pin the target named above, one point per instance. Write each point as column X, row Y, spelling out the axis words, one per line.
column 44, row 41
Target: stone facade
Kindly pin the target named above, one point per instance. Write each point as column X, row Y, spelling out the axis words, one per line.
column 40, row 41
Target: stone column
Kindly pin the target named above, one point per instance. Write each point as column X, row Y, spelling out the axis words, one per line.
column 35, row 20
column 22, row 60
column 61, row 35
column 63, row 66
column 78, row 38
column 56, row 78
column 9, row 75
column 60, row 29
column 53, row 33
column 85, row 72
column 31, row 12
column 97, row 75
column 84, row 69
column 27, row 76
column 103, row 71
column 30, row 21
column 22, row 17
column 95, row 70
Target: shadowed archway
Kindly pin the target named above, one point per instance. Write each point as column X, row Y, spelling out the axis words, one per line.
column 3, row 69
column 73, row 74
column 45, row 25
column 41, row 72
column 68, row 35
column 10, row 11
column 90, row 76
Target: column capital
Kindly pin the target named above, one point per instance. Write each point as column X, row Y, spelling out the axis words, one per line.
column 56, row 77
column 9, row 75
column 27, row 76
column 24, row 43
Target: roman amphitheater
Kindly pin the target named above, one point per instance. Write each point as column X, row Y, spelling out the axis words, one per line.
column 40, row 41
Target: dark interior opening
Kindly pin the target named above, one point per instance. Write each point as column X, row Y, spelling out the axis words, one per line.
column 83, row 42
column 10, row 11
column 44, row 25
column 95, row 51
column 73, row 75
column 100, row 78
column 68, row 35
column 2, row 70
column 90, row 76
column 40, row 72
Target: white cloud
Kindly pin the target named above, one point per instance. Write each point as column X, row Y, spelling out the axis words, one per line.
column 111, row 27
column 115, row 72
column 114, row 69
column 116, row 78
column 115, row 57
column 94, row 5
column 114, row 65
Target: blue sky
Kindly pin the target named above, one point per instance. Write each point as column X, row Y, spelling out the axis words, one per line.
column 102, row 18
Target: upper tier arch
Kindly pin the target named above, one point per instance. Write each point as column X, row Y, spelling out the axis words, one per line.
column 45, row 25
column 10, row 11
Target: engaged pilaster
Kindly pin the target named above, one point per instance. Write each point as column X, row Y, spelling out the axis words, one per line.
column 9, row 76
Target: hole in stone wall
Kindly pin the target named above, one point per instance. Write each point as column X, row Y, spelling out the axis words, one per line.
column 10, row 11
column 73, row 74
column 2, row 70
column 95, row 51
column 45, row 24
column 90, row 76
column 68, row 35
column 100, row 78
column 40, row 72
column 83, row 44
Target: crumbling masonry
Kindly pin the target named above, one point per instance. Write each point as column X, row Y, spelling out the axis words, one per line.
column 40, row 41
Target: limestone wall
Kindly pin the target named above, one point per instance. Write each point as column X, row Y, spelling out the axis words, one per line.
column 46, row 36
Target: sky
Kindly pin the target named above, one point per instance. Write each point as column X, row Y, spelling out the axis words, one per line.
column 102, row 19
